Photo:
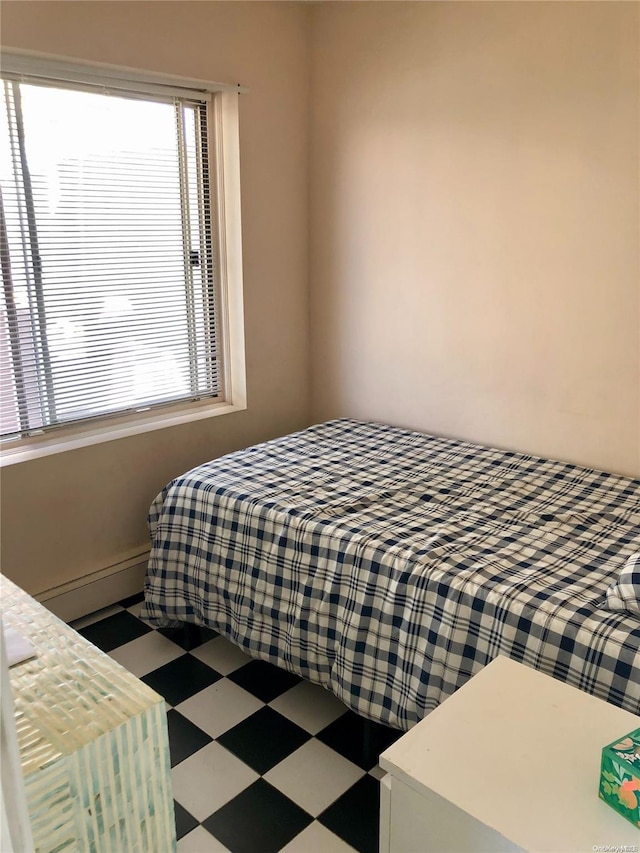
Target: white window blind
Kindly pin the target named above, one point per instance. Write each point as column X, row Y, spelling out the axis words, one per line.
column 108, row 262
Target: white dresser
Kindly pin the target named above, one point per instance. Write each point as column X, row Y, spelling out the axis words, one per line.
column 92, row 740
column 510, row 762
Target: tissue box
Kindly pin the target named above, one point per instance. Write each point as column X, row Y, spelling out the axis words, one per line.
column 620, row 776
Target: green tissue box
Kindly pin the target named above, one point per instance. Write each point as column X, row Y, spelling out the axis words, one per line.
column 620, row 776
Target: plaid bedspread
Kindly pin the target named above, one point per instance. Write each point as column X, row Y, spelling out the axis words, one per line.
column 390, row 566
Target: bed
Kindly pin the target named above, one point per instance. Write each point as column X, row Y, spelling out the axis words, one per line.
column 389, row 566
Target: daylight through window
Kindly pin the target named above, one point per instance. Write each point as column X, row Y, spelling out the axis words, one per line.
column 108, row 259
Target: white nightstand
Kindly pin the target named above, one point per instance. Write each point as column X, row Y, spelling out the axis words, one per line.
column 509, row 762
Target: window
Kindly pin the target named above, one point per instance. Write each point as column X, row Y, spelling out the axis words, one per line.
column 114, row 222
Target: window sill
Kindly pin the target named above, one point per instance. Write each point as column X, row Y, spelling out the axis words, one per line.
column 72, row 438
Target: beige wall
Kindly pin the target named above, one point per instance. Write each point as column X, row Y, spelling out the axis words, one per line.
column 474, row 222
column 66, row 515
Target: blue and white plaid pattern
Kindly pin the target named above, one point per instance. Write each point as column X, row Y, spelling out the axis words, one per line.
column 390, row 566
column 624, row 594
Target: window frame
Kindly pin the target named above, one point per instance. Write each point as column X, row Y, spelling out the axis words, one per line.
column 224, row 165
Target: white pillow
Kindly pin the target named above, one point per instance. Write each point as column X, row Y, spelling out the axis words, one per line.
column 624, row 594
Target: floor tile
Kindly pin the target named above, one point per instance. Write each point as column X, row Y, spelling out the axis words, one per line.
column 348, row 735
column 310, row 706
column 377, row 772
column 355, row 817
column 314, row 776
column 223, row 655
column 315, row 839
column 220, row 707
column 201, row 841
column 209, row 779
column 188, row 637
column 184, row 737
column 135, row 609
column 260, row 819
column 114, row 631
column 264, row 679
column 220, row 693
column 264, row 739
column 185, row 822
column 98, row 616
column 146, row 653
column 181, row 678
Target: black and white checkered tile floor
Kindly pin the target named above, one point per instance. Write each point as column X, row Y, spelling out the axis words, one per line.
column 261, row 760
